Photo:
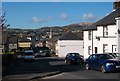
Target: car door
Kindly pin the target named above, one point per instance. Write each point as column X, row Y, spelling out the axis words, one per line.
column 93, row 61
column 90, row 61
column 96, row 62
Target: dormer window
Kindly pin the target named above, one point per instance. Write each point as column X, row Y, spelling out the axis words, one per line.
column 105, row 31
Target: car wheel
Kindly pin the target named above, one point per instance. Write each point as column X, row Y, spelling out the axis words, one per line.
column 67, row 62
column 103, row 69
column 87, row 66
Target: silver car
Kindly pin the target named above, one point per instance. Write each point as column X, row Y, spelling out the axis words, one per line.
column 28, row 55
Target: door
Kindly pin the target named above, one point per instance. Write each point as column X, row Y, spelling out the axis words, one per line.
column 96, row 50
column 93, row 62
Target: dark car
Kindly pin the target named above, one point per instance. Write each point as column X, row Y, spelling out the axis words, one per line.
column 103, row 62
column 42, row 51
column 74, row 58
column 115, row 55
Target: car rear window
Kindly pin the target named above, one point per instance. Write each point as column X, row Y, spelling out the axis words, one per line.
column 28, row 53
column 74, row 54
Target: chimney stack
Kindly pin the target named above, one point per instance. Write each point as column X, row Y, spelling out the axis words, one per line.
column 116, row 4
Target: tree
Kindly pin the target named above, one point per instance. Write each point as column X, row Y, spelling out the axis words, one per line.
column 4, row 33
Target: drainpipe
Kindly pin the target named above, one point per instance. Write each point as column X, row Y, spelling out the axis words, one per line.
column 92, row 41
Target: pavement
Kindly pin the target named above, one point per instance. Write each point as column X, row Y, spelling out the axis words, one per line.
column 12, row 73
column 30, row 76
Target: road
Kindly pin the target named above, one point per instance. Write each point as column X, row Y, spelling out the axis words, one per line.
column 79, row 72
column 49, row 64
column 84, row 74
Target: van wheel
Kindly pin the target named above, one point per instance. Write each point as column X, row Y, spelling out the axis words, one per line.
column 103, row 69
column 87, row 66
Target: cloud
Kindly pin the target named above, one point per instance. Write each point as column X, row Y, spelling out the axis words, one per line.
column 89, row 17
column 40, row 20
column 35, row 19
column 63, row 16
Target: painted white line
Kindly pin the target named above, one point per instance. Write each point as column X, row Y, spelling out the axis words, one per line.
column 51, row 77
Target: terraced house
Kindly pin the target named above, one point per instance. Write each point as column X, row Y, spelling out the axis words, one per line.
column 104, row 35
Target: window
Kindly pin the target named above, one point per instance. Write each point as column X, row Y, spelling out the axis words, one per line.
column 94, row 57
column 105, row 48
column 89, row 50
column 105, row 31
column 89, row 35
column 114, row 48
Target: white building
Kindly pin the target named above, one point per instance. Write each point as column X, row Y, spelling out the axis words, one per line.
column 69, row 43
column 103, row 36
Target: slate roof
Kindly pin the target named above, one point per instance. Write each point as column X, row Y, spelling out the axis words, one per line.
column 70, row 36
column 24, row 39
column 107, row 20
column 13, row 39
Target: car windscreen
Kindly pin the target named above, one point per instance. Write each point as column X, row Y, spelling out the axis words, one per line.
column 28, row 53
column 105, row 56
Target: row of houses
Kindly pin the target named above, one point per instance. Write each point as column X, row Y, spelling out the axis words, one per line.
column 101, row 37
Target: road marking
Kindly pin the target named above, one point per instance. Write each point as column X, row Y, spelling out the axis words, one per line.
column 45, row 58
column 51, row 77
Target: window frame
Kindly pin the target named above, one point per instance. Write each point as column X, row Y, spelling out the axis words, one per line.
column 90, row 35
column 105, row 50
column 105, row 31
column 89, row 50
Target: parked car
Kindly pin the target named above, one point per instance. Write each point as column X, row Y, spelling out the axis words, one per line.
column 115, row 55
column 28, row 55
column 43, row 51
column 103, row 62
column 74, row 58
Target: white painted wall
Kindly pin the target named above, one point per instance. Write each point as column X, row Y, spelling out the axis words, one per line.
column 118, row 35
column 68, row 46
column 99, row 44
column 86, row 44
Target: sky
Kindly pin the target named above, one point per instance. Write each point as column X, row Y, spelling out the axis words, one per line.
column 34, row 15
column 58, row 0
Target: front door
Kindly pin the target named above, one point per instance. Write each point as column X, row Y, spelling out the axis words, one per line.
column 96, row 50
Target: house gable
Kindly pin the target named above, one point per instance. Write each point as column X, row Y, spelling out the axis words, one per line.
column 107, row 20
